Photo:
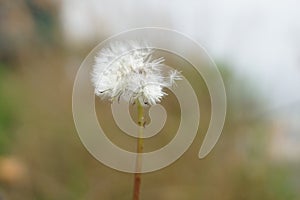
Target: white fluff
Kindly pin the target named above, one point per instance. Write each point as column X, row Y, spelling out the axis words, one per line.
column 127, row 70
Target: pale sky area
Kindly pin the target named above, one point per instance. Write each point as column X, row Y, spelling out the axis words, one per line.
column 260, row 39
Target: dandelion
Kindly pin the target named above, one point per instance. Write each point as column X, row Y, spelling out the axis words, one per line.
column 127, row 70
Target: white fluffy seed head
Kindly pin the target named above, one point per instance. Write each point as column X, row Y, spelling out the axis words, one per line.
column 127, row 70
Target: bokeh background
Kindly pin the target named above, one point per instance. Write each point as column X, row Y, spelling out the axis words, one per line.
column 256, row 45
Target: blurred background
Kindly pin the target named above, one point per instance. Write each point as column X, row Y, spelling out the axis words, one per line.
column 256, row 45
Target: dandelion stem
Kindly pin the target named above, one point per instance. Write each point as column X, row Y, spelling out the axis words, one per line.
column 140, row 146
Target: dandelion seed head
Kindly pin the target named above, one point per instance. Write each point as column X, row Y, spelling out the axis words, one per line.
column 127, row 70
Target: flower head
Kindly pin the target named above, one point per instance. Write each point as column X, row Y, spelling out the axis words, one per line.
column 127, row 70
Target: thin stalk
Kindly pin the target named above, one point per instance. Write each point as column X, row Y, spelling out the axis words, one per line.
column 139, row 150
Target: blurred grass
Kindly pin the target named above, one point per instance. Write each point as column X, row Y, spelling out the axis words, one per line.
column 7, row 119
column 60, row 168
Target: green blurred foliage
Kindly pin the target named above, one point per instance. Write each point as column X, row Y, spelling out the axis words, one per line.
column 6, row 115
